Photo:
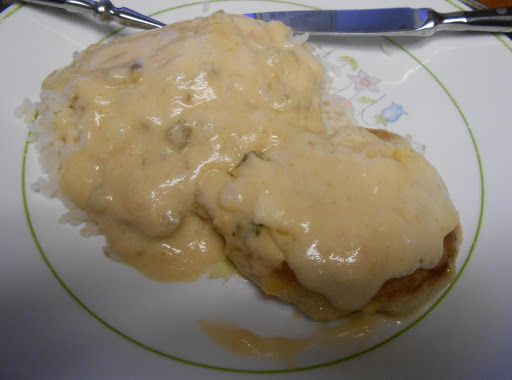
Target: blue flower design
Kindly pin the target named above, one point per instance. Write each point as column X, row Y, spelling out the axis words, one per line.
column 392, row 113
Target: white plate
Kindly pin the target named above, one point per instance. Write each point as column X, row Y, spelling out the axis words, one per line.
column 69, row 312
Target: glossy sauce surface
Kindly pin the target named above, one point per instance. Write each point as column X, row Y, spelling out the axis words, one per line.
column 345, row 212
column 154, row 112
column 210, row 131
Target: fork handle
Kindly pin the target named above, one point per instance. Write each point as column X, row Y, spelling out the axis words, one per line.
column 104, row 11
column 497, row 20
column 75, row 6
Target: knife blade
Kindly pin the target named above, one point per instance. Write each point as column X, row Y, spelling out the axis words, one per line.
column 390, row 21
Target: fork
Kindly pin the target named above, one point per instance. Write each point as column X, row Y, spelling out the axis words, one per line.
column 104, row 11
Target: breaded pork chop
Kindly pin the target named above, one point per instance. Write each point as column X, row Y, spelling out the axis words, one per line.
column 353, row 221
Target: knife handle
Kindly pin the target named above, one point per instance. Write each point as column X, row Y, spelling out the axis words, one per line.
column 497, row 20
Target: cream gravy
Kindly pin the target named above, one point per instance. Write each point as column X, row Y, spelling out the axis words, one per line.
column 152, row 113
column 215, row 125
column 346, row 212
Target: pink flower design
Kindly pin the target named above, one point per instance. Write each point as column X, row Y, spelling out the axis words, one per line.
column 364, row 82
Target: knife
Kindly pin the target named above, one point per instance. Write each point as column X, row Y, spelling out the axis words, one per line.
column 391, row 21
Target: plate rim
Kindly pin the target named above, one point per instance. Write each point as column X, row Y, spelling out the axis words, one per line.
column 288, row 370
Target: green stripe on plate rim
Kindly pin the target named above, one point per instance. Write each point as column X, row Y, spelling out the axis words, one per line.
column 9, row 11
column 344, row 359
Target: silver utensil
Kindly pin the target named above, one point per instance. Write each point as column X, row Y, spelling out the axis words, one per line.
column 104, row 11
column 473, row 4
column 382, row 22
column 391, row 21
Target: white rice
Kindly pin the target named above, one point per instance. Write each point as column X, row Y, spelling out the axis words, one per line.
column 299, row 39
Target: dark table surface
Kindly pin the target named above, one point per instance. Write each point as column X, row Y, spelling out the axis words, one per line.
column 496, row 3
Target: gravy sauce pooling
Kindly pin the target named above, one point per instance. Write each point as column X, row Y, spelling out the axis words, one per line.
column 205, row 138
